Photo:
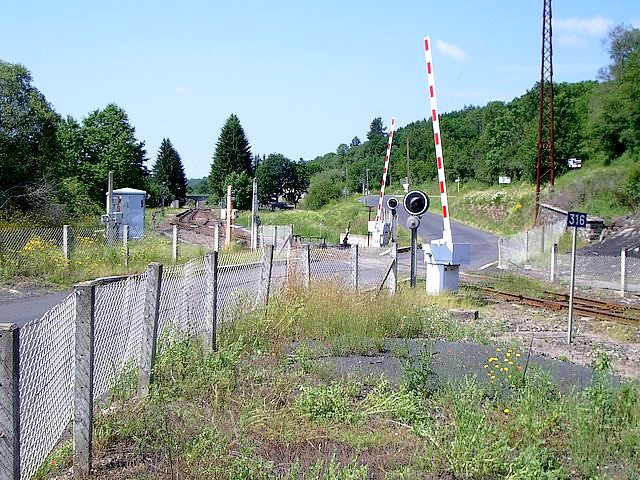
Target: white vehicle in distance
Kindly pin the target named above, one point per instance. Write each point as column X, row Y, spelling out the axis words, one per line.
column 574, row 163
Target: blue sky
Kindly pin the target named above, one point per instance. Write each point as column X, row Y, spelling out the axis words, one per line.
column 302, row 77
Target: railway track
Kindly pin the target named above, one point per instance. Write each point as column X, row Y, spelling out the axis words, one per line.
column 586, row 307
column 202, row 221
column 198, row 220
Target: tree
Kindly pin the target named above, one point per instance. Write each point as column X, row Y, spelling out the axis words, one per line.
column 198, row 186
column 342, row 149
column 376, row 129
column 297, row 182
column 324, row 187
column 232, row 154
column 71, row 145
column 615, row 105
column 623, row 41
column 168, row 171
column 242, row 187
column 109, row 143
column 376, row 138
column 29, row 146
column 271, row 174
column 355, row 142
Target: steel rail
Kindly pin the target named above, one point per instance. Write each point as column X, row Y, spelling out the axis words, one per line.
column 582, row 306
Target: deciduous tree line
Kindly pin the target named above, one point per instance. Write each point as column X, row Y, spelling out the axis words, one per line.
column 59, row 166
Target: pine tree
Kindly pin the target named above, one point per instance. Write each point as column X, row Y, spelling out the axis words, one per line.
column 169, row 171
column 232, row 154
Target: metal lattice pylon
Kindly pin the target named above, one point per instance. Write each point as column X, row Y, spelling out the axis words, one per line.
column 545, row 164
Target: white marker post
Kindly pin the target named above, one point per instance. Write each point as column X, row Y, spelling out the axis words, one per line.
column 575, row 220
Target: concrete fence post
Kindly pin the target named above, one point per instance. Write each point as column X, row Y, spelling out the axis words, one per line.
column 265, row 274
column 354, row 267
column 526, row 245
column 554, row 263
column 125, row 245
column 306, row 257
column 211, row 272
column 149, row 339
column 83, row 385
column 216, row 237
column 174, row 250
column 65, row 241
column 290, row 237
column 542, row 229
column 275, row 236
column 393, row 274
column 9, row 401
column 624, row 277
column 501, row 262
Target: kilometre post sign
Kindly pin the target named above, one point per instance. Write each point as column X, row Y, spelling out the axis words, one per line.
column 576, row 219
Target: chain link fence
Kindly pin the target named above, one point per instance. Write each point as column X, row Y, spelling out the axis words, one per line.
column 533, row 253
column 331, row 265
column 119, row 306
column 276, row 235
column 30, row 250
column 529, row 245
column 244, row 280
column 46, row 383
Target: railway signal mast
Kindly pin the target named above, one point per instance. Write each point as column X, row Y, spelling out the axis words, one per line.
column 546, row 141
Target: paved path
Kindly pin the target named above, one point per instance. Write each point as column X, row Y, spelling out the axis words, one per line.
column 452, row 362
column 23, row 309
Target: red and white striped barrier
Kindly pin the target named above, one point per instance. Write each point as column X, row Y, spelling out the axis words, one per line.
column 386, row 169
column 446, row 234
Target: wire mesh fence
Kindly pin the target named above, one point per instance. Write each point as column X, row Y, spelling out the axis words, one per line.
column 331, row 264
column 373, row 265
column 531, row 253
column 46, row 383
column 244, row 279
column 119, row 307
column 239, row 275
column 276, row 235
column 527, row 246
column 28, row 251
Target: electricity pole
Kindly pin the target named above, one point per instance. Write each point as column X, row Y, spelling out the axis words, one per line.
column 546, row 147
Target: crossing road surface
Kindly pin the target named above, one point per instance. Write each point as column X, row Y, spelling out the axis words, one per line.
column 483, row 245
column 23, row 309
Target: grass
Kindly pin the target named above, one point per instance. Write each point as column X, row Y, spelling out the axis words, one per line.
column 263, row 407
column 89, row 258
column 330, row 222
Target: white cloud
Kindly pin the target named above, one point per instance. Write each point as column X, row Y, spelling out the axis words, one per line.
column 596, row 26
column 180, row 90
column 572, row 40
column 451, row 51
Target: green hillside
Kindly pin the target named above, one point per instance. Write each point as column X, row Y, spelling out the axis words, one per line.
column 598, row 122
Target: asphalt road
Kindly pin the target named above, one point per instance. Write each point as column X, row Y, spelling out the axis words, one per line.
column 483, row 245
column 23, row 309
